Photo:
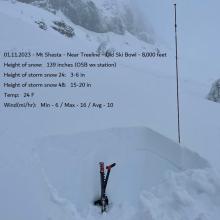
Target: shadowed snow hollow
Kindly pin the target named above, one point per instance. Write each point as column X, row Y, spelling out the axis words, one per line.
column 70, row 166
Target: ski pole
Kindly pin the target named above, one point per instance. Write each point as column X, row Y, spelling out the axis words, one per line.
column 108, row 173
column 102, row 178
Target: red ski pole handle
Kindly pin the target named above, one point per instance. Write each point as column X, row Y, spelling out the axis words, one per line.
column 110, row 166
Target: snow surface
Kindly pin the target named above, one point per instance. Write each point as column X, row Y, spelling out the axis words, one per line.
column 58, row 177
column 138, row 152
column 44, row 163
column 191, row 195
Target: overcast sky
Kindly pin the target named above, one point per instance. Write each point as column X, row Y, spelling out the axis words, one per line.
column 198, row 31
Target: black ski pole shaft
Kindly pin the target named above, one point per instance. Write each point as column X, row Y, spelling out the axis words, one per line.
column 102, row 178
column 103, row 200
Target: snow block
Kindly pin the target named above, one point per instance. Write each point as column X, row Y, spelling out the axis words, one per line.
column 143, row 158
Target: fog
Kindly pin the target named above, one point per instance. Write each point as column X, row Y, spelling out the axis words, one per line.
column 198, row 33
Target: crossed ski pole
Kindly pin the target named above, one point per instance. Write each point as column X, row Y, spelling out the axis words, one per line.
column 103, row 201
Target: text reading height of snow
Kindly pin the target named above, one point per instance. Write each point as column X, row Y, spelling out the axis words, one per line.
column 29, row 76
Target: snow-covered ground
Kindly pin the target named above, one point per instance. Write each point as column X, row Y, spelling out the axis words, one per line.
column 58, row 177
column 49, row 158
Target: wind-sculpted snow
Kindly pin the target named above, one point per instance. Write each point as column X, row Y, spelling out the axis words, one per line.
column 70, row 168
column 191, row 195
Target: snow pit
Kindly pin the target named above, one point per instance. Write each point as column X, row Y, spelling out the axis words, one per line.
column 71, row 171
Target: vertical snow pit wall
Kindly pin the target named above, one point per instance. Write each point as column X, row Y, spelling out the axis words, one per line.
column 143, row 157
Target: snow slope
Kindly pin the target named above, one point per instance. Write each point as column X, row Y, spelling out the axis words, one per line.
column 43, row 160
column 200, row 131
column 117, row 16
column 143, row 76
column 20, row 19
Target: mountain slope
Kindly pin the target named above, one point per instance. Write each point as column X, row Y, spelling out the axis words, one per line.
column 51, row 26
column 117, row 16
